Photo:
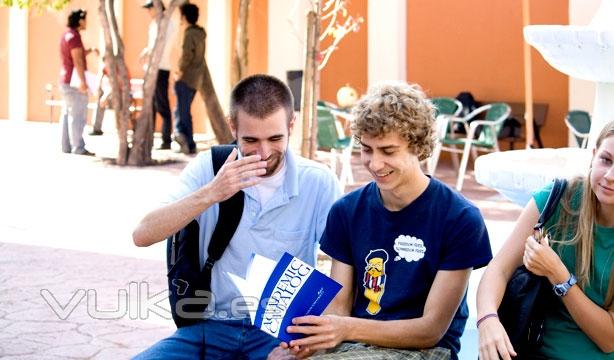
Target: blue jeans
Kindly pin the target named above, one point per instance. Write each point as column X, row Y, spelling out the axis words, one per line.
column 183, row 115
column 73, row 118
column 162, row 106
column 213, row 339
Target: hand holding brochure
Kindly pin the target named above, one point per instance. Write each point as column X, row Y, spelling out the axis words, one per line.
column 285, row 290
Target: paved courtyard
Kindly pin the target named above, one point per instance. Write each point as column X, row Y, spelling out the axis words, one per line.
column 72, row 284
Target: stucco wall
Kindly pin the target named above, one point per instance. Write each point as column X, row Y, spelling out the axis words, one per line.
column 476, row 46
column 348, row 64
column 44, row 33
column 257, row 30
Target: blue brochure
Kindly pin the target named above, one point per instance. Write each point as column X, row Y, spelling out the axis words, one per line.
column 293, row 288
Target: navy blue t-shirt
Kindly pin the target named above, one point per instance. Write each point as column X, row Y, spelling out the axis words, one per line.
column 396, row 254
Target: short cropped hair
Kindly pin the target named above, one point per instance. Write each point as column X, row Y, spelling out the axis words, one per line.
column 74, row 17
column 190, row 12
column 397, row 107
column 260, row 96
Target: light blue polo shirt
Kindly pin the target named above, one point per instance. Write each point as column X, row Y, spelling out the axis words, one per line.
column 292, row 220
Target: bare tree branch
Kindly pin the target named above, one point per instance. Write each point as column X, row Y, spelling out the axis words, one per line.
column 239, row 64
column 332, row 10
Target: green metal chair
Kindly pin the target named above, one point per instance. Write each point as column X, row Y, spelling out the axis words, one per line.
column 445, row 107
column 481, row 135
column 332, row 139
column 579, row 123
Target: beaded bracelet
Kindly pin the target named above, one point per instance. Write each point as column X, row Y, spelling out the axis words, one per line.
column 477, row 324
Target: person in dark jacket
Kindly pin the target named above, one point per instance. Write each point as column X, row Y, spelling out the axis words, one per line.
column 188, row 77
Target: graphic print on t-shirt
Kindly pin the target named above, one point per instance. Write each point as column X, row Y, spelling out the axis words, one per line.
column 409, row 248
column 374, row 280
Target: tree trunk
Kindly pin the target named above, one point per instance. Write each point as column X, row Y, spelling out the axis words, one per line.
column 214, row 109
column 139, row 153
column 142, row 141
column 308, row 99
column 315, row 83
column 122, row 71
column 116, row 68
column 239, row 64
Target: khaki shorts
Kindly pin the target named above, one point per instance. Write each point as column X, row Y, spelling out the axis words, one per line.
column 363, row 351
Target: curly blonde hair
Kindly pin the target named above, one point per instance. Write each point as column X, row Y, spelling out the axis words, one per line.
column 397, row 107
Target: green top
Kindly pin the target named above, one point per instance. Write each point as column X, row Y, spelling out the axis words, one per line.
column 563, row 339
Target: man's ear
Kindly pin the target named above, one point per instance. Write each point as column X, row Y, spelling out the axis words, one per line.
column 291, row 124
column 233, row 129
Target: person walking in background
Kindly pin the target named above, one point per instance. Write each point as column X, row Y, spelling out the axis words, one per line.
column 189, row 76
column 103, row 101
column 104, row 96
column 160, row 104
column 576, row 257
column 74, row 111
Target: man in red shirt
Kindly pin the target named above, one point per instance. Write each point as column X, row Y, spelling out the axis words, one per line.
column 73, row 84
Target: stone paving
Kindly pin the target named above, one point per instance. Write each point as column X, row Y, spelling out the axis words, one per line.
column 72, row 284
column 59, row 304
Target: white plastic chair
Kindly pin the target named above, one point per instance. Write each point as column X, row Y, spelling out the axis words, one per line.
column 484, row 140
column 332, row 138
column 441, row 126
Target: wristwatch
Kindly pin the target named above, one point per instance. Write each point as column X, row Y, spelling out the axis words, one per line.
column 562, row 288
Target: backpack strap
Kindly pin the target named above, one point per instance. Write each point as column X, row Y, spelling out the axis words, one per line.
column 553, row 201
column 185, row 277
column 229, row 214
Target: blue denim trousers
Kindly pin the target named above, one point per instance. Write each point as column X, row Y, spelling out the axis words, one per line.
column 161, row 105
column 73, row 118
column 213, row 339
column 183, row 115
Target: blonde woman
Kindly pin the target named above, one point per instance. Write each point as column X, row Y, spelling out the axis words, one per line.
column 577, row 259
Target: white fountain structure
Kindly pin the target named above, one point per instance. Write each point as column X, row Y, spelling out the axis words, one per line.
column 583, row 52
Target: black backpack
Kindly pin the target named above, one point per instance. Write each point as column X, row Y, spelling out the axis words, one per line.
column 469, row 104
column 190, row 286
column 528, row 296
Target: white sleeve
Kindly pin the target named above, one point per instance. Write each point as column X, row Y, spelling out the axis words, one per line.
column 151, row 35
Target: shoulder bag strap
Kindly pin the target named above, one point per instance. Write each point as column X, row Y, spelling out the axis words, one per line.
column 229, row 214
column 553, row 200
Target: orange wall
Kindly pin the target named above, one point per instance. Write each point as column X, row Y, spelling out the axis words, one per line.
column 136, row 23
column 4, row 54
column 476, row 46
column 44, row 61
column 348, row 64
column 199, row 112
column 549, row 85
column 44, row 53
column 257, row 28
column 451, row 47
